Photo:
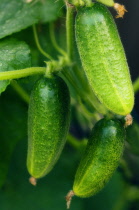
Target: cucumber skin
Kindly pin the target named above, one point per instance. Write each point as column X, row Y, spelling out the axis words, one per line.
column 48, row 124
column 103, row 58
column 100, row 159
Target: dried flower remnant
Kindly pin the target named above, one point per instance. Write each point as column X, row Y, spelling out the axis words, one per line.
column 128, row 120
column 33, row 181
column 120, row 10
column 69, row 198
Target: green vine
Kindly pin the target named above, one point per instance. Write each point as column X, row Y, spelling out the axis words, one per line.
column 136, row 85
column 54, row 42
column 20, row 91
column 38, row 44
column 69, row 30
column 16, row 74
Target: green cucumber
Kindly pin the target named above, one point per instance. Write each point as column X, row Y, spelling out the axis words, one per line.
column 48, row 124
column 101, row 157
column 103, row 58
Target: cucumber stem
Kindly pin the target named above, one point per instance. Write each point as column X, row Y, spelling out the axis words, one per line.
column 33, row 181
column 53, row 66
column 23, row 94
column 70, row 29
column 16, row 74
column 109, row 3
column 69, row 198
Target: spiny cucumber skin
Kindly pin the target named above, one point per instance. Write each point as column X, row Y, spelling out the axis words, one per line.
column 48, row 124
column 103, row 58
column 100, row 159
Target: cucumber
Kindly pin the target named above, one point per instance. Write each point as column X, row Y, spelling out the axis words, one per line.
column 103, row 58
column 100, row 159
column 48, row 124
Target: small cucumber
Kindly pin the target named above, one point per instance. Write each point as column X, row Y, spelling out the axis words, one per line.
column 48, row 124
column 103, row 58
column 100, row 159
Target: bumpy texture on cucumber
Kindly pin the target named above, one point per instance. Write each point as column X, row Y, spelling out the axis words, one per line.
column 101, row 157
column 48, row 124
column 103, row 58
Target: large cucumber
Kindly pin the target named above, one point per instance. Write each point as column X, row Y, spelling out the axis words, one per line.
column 48, row 124
column 103, row 58
column 100, row 159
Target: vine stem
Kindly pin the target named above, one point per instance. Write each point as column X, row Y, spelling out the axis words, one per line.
column 70, row 30
column 136, row 85
column 6, row 75
column 75, row 143
column 23, row 94
column 53, row 40
column 38, row 44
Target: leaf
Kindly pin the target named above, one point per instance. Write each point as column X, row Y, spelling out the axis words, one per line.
column 12, row 129
column 50, row 10
column 13, row 55
column 16, row 15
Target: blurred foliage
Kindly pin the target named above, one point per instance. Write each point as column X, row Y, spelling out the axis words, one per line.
column 18, row 193
column 133, row 138
column 22, row 14
column 14, row 55
column 13, row 117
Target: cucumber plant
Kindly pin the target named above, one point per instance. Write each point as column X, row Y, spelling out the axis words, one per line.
column 57, row 57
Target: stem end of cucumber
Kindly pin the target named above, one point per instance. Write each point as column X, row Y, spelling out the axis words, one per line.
column 69, row 198
column 33, row 181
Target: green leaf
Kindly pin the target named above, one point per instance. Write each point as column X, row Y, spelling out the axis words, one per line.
column 16, row 15
column 13, row 55
column 50, row 10
column 12, row 129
